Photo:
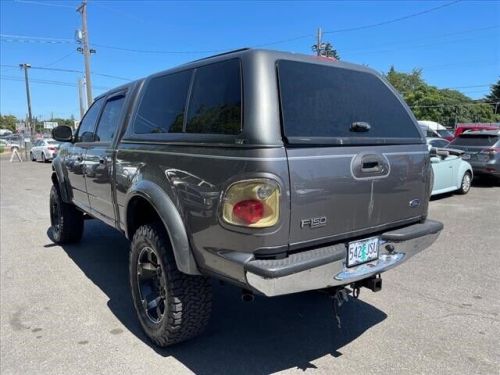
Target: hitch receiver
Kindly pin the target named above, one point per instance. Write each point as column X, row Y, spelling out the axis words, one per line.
column 373, row 283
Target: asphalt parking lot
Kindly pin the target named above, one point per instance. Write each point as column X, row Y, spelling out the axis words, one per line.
column 67, row 310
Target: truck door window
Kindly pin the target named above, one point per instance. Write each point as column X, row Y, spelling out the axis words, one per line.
column 110, row 119
column 87, row 125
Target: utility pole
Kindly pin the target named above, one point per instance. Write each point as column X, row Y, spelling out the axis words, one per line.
column 318, row 41
column 82, row 9
column 81, row 97
column 25, row 67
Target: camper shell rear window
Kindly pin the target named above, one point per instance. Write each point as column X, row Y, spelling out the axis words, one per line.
column 319, row 104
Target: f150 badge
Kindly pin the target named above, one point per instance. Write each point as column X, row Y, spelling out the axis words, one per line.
column 313, row 222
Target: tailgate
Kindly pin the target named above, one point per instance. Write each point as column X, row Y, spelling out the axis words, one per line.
column 357, row 161
column 336, row 191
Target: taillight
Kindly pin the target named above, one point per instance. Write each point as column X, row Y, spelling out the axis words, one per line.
column 252, row 203
column 51, row 148
column 491, row 151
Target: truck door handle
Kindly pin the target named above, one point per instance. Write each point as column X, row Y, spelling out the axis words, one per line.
column 370, row 166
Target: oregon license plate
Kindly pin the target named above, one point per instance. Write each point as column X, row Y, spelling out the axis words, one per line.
column 362, row 251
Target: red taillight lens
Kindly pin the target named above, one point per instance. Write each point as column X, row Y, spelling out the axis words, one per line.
column 249, row 211
column 252, row 203
column 51, row 148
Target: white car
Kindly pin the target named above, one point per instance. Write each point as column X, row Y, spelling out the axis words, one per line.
column 44, row 150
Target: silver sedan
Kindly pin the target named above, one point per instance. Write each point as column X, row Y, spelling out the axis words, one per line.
column 44, row 150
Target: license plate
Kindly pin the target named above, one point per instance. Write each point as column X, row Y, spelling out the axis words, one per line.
column 362, row 251
column 465, row 156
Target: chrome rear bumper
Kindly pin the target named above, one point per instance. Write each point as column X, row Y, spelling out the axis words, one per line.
column 272, row 279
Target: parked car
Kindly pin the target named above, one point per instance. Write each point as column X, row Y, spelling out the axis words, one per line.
column 451, row 173
column 462, row 128
column 44, row 150
column 435, row 129
column 12, row 142
column 259, row 168
column 481, row 150
column 437, row 142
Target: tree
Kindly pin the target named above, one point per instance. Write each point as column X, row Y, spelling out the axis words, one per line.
column 326, row 50
column 8, row 122
column 441, row 105
column 494, row 96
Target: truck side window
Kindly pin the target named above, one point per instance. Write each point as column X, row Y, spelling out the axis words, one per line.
column 110, row 119
column 87, row 126
column 215, row 103
column 162, row 106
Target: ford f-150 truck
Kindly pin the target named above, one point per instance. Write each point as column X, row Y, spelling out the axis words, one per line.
column 276, row 172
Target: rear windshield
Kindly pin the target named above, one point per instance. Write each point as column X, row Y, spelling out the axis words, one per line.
column 320, row 103
column 445, row 133
column 475, row 140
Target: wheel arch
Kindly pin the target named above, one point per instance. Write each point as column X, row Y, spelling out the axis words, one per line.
column 59, row 180
column 147, row 202
column 463, row 169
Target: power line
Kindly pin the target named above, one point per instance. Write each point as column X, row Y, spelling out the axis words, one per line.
column 470, row 86
column 48, row 82
column 394, row 20
column 34, row 39
column 58, row 60
column 434, row 37
column 43, row 3
column 71, row 71
column 29, row 39
column 450, row 105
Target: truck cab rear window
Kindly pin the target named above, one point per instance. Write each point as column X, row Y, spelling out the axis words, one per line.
column 319, row 101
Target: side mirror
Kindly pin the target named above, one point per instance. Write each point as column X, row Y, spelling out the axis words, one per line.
column 435, row 160
column 62, row 133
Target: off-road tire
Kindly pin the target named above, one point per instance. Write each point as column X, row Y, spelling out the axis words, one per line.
column 65, row 219
column 465, row 184
column 187, row 299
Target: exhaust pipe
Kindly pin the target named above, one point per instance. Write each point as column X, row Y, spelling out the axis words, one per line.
column 247, row 296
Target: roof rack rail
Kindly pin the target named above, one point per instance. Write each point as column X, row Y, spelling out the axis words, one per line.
column 223, row 53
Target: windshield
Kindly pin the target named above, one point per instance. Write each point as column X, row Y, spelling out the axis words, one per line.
column 320, row 101
column 445, row 133
column 475, row 140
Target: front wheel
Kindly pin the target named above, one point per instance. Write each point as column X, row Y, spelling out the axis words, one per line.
column 466, row 183
column 65, row 219
column 172, row 307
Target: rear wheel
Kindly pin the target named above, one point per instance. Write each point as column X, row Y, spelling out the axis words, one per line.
column 466, row 183
column 172, row 307
column 65, row 219
column 32, row 157
column 44, row 160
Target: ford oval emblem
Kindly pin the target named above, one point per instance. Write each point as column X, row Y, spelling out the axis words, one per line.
column 414, row 203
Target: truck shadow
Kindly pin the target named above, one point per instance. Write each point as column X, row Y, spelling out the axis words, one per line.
column 265, row 336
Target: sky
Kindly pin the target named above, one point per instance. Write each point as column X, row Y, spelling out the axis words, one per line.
column 455, row 43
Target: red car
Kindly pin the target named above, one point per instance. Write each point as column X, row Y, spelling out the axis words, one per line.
column 474, row 126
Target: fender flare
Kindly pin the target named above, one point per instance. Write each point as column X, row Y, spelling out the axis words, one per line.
column 62, row 181
column 172, row 221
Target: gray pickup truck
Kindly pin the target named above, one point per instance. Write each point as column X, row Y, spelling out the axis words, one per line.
column 276, row 172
